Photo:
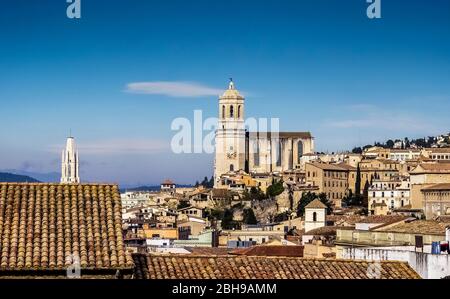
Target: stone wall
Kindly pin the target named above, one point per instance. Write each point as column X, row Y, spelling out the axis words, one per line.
column 428, row 266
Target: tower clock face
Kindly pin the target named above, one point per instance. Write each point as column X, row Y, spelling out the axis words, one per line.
column 231, row 154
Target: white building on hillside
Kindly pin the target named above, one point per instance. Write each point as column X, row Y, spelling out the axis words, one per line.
column 393, row 194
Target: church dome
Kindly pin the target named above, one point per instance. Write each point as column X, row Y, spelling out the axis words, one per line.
column 231, row 92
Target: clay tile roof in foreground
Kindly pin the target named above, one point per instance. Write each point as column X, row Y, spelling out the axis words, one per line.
column 270, row 250
column 42, row 226
column 208, row 250
column 252, row 267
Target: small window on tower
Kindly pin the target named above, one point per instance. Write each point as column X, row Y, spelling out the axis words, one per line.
column 231, row 111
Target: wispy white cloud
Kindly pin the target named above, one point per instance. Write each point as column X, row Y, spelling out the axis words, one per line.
column 119, row 146
column 173, row 89
column 371, row 116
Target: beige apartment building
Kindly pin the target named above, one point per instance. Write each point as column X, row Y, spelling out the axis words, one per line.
column 426, row 175
column 331, row 179
column 368, row 174
column 436, row 200
column 439, row 154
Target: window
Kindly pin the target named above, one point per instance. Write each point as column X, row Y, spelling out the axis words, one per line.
column 256, row 152
column 231, row 111
column 279, row 151
column 300, row 150
column 314, row 216
column 239, row 111
column 231, row 167
column 223, row 111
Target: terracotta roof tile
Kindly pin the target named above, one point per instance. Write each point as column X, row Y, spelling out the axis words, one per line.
column 252, row 267
column 268, row 250
column 43, row 225
column 323, row 231
column 316, row 204
column 437, row 187
column 420, row 227
column 327, row 166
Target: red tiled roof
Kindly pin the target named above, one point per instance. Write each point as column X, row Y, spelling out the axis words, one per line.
column 382, row 219
column 43, row 225
column 209, row 250
column 262, row 267
column 269, row 250
column 437, row 187
column 316, row 204
column 323, row 231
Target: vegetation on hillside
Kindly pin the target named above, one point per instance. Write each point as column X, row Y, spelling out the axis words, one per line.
column 6, row 177
column 308, row 197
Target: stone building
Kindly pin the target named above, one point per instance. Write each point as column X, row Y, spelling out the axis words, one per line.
column 425, row 175
column 331, row 179
column 436, row 200
column 258, row 152
column 70, row 163
column 392, row 194
column 315, row 215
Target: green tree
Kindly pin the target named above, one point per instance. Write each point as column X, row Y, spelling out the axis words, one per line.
column 357, row 150
column 358, row 181
column 211, row 182
column 249, row 217
column 389, row 143
column 183, row 204
column 254, row 194
column 407, row 143
column 365, row 197
column 308, row 197
column 227, row 220
column 352, row 199
column 275, row 189
column 281, row 217
column 204, row 183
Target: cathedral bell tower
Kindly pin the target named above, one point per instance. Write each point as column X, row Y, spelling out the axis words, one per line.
column 230, row 134
column 70, row 163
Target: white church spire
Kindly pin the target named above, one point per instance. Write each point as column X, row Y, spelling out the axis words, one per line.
column 70, row 163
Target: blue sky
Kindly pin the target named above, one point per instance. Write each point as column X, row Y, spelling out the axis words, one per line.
column 318, row 65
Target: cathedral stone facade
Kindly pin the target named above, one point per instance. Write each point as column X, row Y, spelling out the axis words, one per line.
column 238, row 149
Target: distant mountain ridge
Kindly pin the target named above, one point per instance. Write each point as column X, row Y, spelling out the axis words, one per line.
column 50, row 177
column 6, row 177
column 148, row 188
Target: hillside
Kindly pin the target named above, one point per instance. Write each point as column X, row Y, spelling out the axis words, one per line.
column 10, row 177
